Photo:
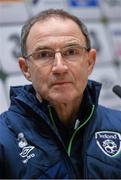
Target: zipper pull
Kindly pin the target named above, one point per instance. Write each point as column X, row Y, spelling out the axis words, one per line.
column 76, row 124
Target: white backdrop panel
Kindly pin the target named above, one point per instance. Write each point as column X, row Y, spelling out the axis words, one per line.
column 35, row 7
column 10, row 48
column 3, row 99
column 108, row 76
column 115, row 30
column 101, row 41
column 13, row 11
column 110, row 8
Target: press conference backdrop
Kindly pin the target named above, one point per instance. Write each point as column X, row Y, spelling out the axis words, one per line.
column 103, row 19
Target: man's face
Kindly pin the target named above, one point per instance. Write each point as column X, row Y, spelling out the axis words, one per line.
column 58, row 80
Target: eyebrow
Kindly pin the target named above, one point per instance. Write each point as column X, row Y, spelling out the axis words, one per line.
column 41, row 47
column 72, row 43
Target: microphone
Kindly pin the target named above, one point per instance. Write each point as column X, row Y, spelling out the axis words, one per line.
column 117, row 90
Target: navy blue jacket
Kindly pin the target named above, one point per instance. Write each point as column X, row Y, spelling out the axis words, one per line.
column 34, row 143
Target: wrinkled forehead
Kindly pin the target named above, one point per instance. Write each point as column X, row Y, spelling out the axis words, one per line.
column 54, row 29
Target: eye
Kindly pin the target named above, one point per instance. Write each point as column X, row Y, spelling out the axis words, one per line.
column 43, row 54
column 72, row 51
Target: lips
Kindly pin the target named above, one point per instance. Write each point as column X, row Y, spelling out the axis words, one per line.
column 60, row 83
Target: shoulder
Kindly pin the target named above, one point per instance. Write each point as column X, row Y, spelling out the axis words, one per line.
column 7, row 140
column 108, row 117
column 3, row 118
column 108, row 111
column 4, row 126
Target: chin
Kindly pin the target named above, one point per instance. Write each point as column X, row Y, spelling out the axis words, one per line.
column 61, row 98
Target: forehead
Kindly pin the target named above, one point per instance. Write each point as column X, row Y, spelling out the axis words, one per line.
column 54, row 31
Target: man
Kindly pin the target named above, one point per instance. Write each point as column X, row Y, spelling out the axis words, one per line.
column 54, row 128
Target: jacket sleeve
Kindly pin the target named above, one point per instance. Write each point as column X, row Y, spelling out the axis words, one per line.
column 1, row 162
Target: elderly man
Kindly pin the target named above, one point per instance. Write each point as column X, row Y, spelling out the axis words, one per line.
column 54, row 128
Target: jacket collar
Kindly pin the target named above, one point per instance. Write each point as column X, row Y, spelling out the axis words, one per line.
column 24, row 96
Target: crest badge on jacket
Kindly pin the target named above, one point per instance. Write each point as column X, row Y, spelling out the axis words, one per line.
column 109, row 142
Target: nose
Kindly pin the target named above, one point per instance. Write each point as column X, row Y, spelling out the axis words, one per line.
column 59, row 65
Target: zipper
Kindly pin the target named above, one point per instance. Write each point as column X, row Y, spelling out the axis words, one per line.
column 66, row 158
column 68, row 150
column 74, row 134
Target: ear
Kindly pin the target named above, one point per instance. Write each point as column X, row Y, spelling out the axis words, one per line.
column 91, row 60
column 24, row 68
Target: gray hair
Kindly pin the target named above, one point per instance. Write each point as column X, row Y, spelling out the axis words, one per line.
column 46, row 14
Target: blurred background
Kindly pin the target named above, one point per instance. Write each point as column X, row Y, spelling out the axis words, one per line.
column 103, row 19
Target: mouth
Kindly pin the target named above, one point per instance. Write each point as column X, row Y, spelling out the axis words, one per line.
column 61, row 83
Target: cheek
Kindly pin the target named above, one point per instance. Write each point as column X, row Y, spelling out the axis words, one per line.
column 81, row 76
column 81, row 72
column 39, row 78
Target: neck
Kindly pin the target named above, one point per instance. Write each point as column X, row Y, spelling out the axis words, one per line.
column 67, row 112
